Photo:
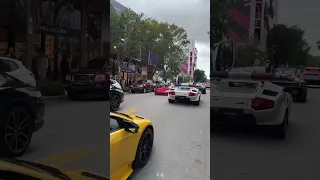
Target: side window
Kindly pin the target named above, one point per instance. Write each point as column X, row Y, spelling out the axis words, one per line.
column 5, row 66
column 13, row 65
column 114, row 124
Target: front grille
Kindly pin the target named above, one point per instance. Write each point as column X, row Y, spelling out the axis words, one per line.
column 82, row 78
column 93, row 176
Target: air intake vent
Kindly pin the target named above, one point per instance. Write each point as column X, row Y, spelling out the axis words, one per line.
column 139, row 117
column 94, row 176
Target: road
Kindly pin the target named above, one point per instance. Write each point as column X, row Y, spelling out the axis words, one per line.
column 73, row 136
column 243, row 156
column 181, row 145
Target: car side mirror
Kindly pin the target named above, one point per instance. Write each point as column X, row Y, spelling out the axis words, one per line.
column 131, row 127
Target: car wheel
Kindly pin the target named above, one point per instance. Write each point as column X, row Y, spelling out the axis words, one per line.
column 281, row 130
column 16, row 131
column 170, row 101
column 304, row 98
column 144, row 149
column 204, row 92
column 197, row 103
column 73, row 96
column 144, row 90
column 115, row 103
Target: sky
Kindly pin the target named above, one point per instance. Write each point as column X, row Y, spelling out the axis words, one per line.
column 301, row 13
column 192, row 15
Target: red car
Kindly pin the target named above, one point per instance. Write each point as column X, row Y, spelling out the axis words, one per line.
column 162, row 91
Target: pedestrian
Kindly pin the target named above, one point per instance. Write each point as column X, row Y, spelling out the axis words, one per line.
column 42, row 66
column 65, row 68
column 10, row 53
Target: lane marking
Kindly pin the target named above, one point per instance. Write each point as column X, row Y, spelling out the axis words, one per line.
column 130, row 111
column 65, row 157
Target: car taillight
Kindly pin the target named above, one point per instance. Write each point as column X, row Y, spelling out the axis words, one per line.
column 99, row 78
column 172, row 93
column 261, row 104
column 192, row 94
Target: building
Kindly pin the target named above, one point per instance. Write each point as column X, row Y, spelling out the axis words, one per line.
column 251, row 21
column 75, row 28
column 190, row 62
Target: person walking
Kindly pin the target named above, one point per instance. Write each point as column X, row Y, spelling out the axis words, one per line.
column 42, row 66
column 65, row 68
column 11, row 54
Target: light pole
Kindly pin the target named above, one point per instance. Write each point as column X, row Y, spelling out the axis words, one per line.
column 118, row 48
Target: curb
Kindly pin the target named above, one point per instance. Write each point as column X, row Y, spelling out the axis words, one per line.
column 53, row 97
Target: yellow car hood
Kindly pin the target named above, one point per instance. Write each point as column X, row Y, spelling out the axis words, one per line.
column 46, row 172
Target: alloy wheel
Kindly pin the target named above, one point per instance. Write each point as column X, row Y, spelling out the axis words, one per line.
column 146, row 148
column 18, row 131
column 115, row 102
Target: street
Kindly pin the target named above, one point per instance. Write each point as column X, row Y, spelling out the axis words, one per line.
column 243, row 156
column 181, row 145
column 73, row 136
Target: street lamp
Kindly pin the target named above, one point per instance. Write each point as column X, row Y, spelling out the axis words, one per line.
column 117, row 48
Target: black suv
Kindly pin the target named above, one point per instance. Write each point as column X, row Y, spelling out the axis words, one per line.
column 116, row 95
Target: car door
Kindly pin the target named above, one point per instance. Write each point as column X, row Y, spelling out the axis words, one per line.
column 123, row 145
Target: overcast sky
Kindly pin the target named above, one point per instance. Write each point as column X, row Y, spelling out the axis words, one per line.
column 192, row 15
column 304, row 13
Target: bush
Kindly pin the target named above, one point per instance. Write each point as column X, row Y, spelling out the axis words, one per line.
column 51, row 88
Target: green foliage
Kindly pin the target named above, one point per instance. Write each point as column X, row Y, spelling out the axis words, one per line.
column 143, row 35
column 199, row 76
column 218, row 19
column 247, row 54
column 291, row 46
column 180, row 78
column 51, row 88
column 186, row 79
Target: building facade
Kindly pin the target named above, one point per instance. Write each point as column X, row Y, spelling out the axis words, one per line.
column 251, row 21
column 189, row 64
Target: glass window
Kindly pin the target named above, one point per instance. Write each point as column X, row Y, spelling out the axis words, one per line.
column 5, row 66
column 114, row 124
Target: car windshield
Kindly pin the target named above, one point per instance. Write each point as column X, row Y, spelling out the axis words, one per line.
column 95, row 64
column 184, row 88
column 141, row 82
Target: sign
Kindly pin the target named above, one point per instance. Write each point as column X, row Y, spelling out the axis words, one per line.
column 58, row 31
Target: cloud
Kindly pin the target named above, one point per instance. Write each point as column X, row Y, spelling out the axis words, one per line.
column 192, row 15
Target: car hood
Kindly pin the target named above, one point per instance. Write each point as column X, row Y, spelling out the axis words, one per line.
column 85, row 71
column 41, row 171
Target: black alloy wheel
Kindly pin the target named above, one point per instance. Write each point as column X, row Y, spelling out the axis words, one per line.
column 144, row 149
column 115, row 103
column 16, row 132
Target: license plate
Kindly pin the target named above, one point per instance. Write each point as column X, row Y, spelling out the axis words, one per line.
column 181, row 97
column 229, row 112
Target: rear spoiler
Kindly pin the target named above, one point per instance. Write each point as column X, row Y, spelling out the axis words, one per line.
column 248, row 75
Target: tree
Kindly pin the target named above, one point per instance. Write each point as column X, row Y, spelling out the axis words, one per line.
column 143, row 35
column 247, row 54
column 172, row 66
column 37, row 11
column 218, row 20
column 287, row 45
column 186, row 79
column 199, row 76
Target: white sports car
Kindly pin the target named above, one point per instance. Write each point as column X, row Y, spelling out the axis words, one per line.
column 184, row 93
column 249, row 99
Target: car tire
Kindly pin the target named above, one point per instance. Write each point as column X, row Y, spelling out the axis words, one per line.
column 73, row 96
column 204, row 92
column 281, row 130
column 170, row 101
column 304, row 98
column 145, row 142
column 25, row 120
column 132, row 92
column 115, row 103
column 197, row 103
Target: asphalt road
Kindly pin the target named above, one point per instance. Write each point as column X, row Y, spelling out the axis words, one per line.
column 73, row 136
column 181, row 145
column 251, row 156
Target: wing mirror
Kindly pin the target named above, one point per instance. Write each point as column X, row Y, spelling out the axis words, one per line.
column 131, row 127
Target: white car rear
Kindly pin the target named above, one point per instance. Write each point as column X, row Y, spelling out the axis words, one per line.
column 16, row 69
column 247, row 101
column 184, row 94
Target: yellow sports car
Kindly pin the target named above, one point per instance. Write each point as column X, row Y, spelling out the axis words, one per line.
column 131, row 141
column 18, row 169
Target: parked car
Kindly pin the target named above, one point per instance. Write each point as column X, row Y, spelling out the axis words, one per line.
column 16, row 69
column 91, row 79
column 142, row 86
column 311, row 75
column 21, row 114
column 116, row 95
